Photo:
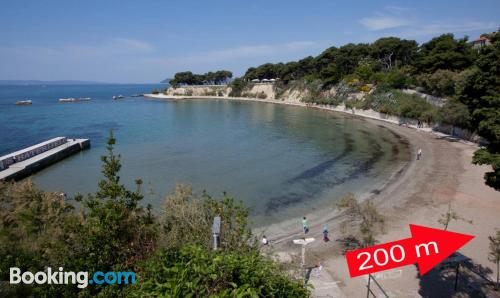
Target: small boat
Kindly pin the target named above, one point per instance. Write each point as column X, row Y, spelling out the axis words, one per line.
column 72, row 99
column 24, row 102
column 115, row 97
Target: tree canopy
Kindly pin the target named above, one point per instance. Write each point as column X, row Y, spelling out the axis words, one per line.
column 480, row 92
column 210, row 78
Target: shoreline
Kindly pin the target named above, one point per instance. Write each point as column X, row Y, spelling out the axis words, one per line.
column 419, row 194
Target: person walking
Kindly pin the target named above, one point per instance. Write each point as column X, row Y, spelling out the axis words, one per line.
column 319, row 269
column 305, row 225
column 419, row 153
column 325, row 233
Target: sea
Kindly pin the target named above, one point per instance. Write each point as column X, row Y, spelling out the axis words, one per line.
column 280, row 161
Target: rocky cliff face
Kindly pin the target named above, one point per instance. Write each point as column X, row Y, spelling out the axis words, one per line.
column 215, row 90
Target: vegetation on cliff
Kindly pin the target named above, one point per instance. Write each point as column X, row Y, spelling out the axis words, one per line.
column 210, row 78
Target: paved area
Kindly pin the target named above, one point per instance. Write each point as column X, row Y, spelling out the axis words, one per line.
column 22, row 165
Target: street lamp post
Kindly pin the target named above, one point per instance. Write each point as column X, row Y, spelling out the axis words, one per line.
column 303, row 242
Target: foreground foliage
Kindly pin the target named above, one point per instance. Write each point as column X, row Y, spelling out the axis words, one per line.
column 197, row 272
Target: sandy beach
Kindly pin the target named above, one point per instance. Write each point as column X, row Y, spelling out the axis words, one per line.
column 417, row 195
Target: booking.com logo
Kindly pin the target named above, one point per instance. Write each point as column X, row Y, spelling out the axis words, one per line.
column 81, row 279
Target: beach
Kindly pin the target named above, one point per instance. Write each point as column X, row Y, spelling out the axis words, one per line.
column 418, row 195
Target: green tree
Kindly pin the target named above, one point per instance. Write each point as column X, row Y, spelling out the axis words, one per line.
column 444, row 52
column 440, row 83
column 117, row 230
column 238, row 85
column 394, row 52
column 480, row 91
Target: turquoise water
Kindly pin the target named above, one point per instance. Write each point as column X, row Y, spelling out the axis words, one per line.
column 280, row 160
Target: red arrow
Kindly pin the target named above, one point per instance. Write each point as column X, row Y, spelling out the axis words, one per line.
column 427, row 247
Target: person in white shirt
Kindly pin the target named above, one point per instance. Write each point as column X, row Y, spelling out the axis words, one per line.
column 264, row 240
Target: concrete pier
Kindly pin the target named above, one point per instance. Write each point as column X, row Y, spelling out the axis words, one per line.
column 39, row 160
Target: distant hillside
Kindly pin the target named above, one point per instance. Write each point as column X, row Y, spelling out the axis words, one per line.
column 38, row 82
column 165, row 81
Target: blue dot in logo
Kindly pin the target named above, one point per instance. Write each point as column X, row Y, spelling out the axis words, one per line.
column 91, row 281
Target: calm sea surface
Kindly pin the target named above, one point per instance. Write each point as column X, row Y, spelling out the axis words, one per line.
column 280, row 160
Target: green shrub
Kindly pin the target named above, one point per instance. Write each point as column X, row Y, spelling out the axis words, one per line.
column 400, row 104
column 440, row 83
column 262, row 95
column 197, row 272
column 238, row 85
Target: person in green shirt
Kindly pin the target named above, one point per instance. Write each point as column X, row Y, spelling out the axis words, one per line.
column 305, row 225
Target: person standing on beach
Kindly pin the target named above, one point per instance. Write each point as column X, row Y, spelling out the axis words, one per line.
column 305, row 225
column 325, row 233
column 419, row 153
column 264, row 240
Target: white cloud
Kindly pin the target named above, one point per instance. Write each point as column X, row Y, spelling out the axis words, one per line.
column 130, row 60
column 405, row 22
column 453, row 27
column 133, row 43
column 382, row 22
column 391, row 17
column 242, row 52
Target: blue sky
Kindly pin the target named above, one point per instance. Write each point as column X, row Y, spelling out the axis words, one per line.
column 147, row 41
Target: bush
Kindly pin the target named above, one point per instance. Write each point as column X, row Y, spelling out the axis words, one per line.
column 365, row 70
column 262, row 95
column 237, row 87
column 400, row 104
column 440, row 83
column 455, row 113
column 365, row 88
column 395, row 78
column 197, row 272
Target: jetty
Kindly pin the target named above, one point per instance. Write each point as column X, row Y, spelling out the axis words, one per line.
column 22, row 163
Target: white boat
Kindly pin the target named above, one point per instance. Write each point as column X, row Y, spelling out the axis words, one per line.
column 115, row 97
column 72, row 99
column 24, row 102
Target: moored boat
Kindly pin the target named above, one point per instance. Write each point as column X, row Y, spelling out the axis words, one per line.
column 24, row 102
column 72, row 99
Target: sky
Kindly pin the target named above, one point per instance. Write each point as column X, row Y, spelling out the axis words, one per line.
column 147, row 41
